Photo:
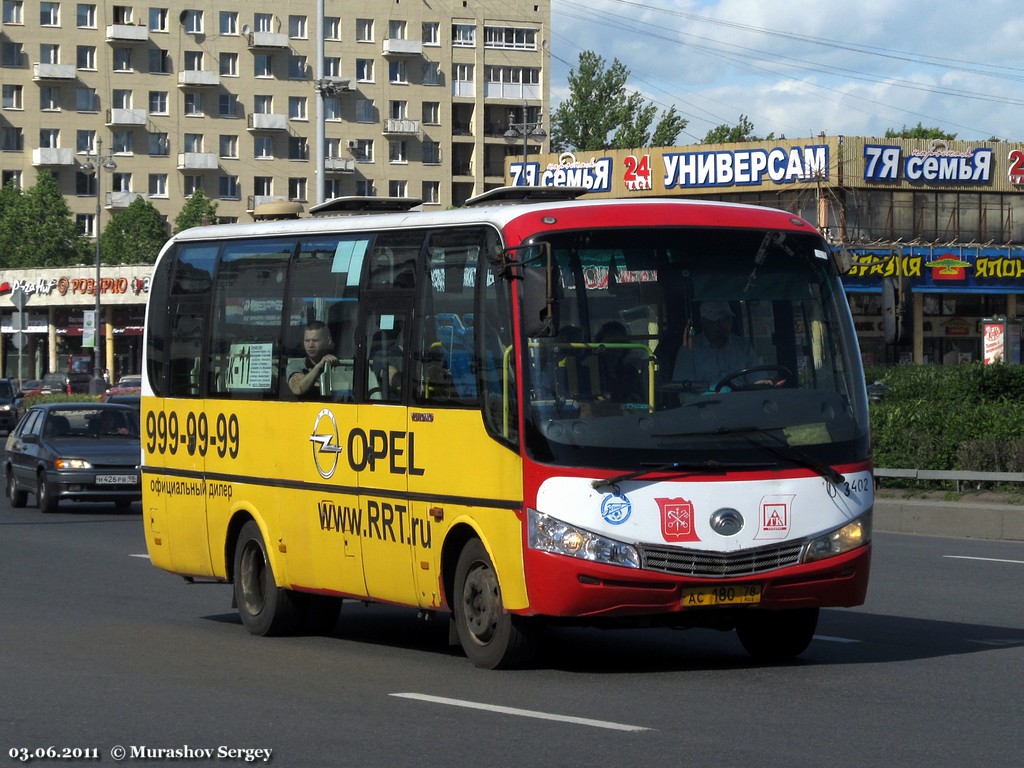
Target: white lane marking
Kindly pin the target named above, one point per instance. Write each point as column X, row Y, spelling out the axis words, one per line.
column 831, row 639
column 145, row 557
column 985, row 559
column 520, row 712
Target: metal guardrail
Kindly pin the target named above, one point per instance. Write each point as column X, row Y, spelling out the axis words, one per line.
column 959, row 476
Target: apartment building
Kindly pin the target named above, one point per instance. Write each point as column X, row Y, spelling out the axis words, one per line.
column 412, row 99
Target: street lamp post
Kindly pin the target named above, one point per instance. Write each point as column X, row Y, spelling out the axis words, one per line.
column 98, row 385
column 527, row 129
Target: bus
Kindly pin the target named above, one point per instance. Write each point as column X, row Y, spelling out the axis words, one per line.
column 510, row 434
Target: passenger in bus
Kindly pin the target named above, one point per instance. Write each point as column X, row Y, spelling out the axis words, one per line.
column 713, row 352
column 621, row 379
column 304, row 375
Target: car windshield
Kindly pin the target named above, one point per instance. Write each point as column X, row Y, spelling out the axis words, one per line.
column 91, row 423
column 695, row 347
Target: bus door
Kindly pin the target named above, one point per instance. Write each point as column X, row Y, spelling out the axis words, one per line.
column 170, row 433
column 379, row 450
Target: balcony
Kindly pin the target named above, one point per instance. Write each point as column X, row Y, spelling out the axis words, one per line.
column 127, row 33
column 267, row 40
column 396, row 48
column 53, row 72
column 53, row 156
column 119, row 116
column 339, row 165
column 198, row 78
column 118, row 201
column 394, row 126
column 259, row 121
column 254, row 200
column 198, row 161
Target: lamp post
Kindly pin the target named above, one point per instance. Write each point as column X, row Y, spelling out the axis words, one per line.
column 98, row 385
column 527, row 129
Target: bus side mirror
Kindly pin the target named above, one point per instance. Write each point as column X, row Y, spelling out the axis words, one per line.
column 539, row 303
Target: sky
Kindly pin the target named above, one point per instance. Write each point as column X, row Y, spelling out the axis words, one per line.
column 799, row 68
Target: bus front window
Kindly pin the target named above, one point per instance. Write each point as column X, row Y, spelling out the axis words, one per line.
column 694, row 345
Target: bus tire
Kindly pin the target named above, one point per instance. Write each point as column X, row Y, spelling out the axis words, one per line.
column 774, row 636
column 266, row 609
column 491, row 637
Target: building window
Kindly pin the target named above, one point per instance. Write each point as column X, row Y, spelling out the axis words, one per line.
column 297, row 67
column 431, row 33
column 157, row 19
column 193, row 22
column 332, row 28
column 432, row 73
column 397, row 152
column 514, row 38
column 49, row 14
column 12, row 96
column 121, row 142
column 397, row 110
column 364, row 30
column 431, row 192
column 297, row 108
column 365, row 188
column 398, row 188
column 332, row 189
column 263, row 65
column 363, row 152
column 122, row 59
column 366, row 112
column 49, row 53
column 193, row 142
column 297, row 28
column 297, row 188
column 193, row 184
column 158, row 185
column 332, row 108
column 229, row 64
column 431, row 152
column 263, row 147
column 12, row 54
column 229, row 189
column 49, row 138
column 462, row 73
column 298, row 148
column 227, row 105
column 432, row 113
column 11, row 139
column 193, row 105
column 158, row 102
column 86, row 100
column 86, row 16
column 263, row 185
column 364, row 70
column 263, row 22
column 85, row 140
column 121, row 182
column 159, row 61
column 14, row 12
column 85, row 57
column 159, row 145
column 396, row 29
column 229, row 22
column 121, row 98
column 193, row 61
column 85, row 222
column 397, row 72
column 263, row 104
column 463, row 35
column 229, row 146
column 332, row 66
column 49, row 99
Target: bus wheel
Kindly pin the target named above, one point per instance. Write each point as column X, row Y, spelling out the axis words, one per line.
column 266, row 609
column 777, row 635
column 491, row 637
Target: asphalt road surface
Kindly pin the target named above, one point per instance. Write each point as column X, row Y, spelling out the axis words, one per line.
column 105, row 657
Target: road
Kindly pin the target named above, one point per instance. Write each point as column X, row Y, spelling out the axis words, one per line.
column 101, row 650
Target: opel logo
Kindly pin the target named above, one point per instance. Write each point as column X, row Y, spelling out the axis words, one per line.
column 325, row 443
column 727, row 522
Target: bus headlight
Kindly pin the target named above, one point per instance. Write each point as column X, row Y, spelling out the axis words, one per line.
column 547, row 534
column 850, row 536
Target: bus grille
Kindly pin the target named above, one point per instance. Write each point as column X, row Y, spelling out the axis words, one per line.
column 689, row 562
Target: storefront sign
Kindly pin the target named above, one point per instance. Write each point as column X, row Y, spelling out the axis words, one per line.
column 930, row 268
column 937, row 163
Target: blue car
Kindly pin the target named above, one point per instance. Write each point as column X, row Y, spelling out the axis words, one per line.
column 74, row 451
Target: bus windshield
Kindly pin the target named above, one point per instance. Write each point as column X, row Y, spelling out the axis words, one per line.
column 694, row 348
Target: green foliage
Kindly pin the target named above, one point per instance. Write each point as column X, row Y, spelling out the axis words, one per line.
column 948, row 417
column 31, row 400
column 134, row 236
column 600, row 113
column 36, row 228
column 199, row 210
column 919, row 132
column 735, row 134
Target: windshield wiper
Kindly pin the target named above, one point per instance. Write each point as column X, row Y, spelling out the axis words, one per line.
column 675, row 469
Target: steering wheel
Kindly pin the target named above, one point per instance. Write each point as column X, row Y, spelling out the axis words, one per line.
column 784, row 375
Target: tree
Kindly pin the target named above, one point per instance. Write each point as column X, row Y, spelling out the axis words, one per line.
column 199, row 210
column 134, row 236
column 919, row 132
column 36, row 228
column 601, row 114
column 735, row 134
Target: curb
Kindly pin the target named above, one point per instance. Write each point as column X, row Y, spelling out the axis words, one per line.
column 967, row 520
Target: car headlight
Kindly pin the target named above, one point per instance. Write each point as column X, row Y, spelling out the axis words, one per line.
column 72, row 464
column 5, row 407
column 850, row 536
column 547, row 534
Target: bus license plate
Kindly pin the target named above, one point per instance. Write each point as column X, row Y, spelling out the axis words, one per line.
column 116, row 479
column 734, row 594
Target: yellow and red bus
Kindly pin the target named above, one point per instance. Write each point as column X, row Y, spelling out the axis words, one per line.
column 521, row 423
